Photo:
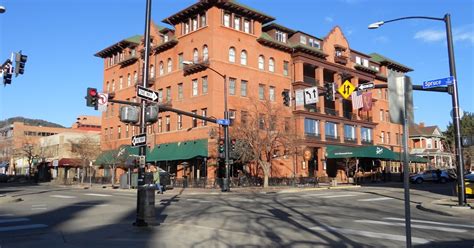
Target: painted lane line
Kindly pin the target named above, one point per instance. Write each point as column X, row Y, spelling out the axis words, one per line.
column 431, row 222
column 63, row 196
column 370, row 234
column 205, row 201
column 39, row 208
column 192, row 199
column 101, row 195
column 13, row 220
column 336, row 196
column 38, row 205
column 446, row 229
column 14, row 228
column 376, row 199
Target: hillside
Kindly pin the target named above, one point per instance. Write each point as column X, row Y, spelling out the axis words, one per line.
column 32, row 122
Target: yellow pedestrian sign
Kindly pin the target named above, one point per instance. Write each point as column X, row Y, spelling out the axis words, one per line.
column 346, row 89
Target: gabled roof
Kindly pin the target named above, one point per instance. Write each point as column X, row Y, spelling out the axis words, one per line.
column 418, row 130
column 130, row 41
column 231, row 5
column 390, row 63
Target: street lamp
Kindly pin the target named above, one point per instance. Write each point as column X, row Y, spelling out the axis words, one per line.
column 225, row 185
column 453, row 90
column 2, row 9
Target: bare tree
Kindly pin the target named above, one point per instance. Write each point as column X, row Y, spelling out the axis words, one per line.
column 265, row 134
column 115, row 158
column 28, row 150
column 86, row 148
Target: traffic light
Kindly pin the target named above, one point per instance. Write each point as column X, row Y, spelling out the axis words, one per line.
column 330, row 91
column 7, row 72
column 20, row 61
column 286, row 97
column 92, row 98
column 221, row 148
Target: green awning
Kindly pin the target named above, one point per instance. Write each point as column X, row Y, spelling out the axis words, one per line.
column 179, row 151
column 111, row 156
column 379, row 152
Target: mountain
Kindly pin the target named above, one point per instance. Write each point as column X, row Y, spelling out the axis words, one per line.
column 32, row 122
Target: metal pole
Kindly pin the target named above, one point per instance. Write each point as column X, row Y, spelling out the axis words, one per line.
column 456, row 117
column 226, row 140
column 406, row 171
column 140, row 218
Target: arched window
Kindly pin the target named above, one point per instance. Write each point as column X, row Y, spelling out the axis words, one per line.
column 243, row 57
column 271, row 65
column 205, row 53
column 162, row 70
column 232, row 54
column 170, row 65
column 261, row 62
column 152, row 71
column 195, row 56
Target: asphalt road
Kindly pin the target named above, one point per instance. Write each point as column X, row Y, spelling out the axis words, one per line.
column 365, row 217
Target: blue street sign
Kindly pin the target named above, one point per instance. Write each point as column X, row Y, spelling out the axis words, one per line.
column 442, row 82
column 223, row 122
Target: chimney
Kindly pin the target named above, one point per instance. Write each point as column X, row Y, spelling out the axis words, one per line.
column 422, row 124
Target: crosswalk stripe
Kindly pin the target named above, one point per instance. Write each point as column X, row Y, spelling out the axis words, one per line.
column 370, row 234
column 336, row 196
column 376, row 199
column 13, row 220
column 63, row 196
column 14, row 228
column 446, row 229
column 39, row 208
column 101, row 195
column 431, row 222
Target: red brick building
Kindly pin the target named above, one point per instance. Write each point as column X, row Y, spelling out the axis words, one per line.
column 261, row 59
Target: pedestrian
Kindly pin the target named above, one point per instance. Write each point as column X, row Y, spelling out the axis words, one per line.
column 156, row 181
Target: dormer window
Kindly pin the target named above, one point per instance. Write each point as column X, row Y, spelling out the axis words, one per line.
column 227, row 19
column 303, row 40
column 280, row 36
column 314, row 43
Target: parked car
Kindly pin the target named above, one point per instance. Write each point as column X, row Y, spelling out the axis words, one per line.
column 430, row 175
column 469, row 184
column 3, row 178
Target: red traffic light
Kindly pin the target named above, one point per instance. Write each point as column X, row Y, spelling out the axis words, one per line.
column 92, row 92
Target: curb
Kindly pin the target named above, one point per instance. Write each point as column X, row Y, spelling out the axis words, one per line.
column 446, row 210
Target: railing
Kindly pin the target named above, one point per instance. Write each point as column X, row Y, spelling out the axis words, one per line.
column 311, row 80
column 350, row 115
column 366, row 118
column 340, row 59
column 350, row 140
column 330, row 111
column 128, row 60
column 312, row 108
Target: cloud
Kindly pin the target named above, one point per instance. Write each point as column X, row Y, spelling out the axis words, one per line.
column 464, row 33
column 328, row 19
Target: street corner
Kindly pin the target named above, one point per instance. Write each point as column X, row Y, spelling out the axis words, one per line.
column 9, row 199
column 448, row 207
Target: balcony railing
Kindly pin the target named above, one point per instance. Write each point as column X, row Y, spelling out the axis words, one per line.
column 350, row 115
column 311, row 80
column 350, row 140
column 330, row 111
column 340, row 59
column 128, row 60
column 366, row 118
column 315, row 136
column 151, row 80
column 312, row 108
column 198, row 65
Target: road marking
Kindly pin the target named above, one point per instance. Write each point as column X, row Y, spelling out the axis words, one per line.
column 13, row 228
column 101, row 195
column 376, row 199
column 446, row 229
column 431, row 222
column 38, row 205
column 13, row 220
column 370, row 234
column 39, row 208
column 63, row 196
column 336, row 196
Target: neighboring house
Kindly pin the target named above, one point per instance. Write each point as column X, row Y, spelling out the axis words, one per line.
column 59, row 152
column 428, row 142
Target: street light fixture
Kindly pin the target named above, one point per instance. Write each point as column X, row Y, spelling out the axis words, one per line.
column 225, row 185
column 453, row 90
column 2, row 9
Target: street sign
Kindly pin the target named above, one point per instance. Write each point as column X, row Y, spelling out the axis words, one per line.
column 299, row 97
column 442, row 82
column 223, row 122
column 346, row 89
column 366, row 86
column 147, row 94
column 139, row 140
column 102, row 102
column 311, row 95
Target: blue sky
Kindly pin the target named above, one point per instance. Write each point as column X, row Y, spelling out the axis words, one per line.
column 60, row 38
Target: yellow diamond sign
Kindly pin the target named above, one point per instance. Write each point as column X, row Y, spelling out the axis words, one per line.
column 346, row 89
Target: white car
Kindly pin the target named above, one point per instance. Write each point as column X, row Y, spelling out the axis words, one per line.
column 430, row 175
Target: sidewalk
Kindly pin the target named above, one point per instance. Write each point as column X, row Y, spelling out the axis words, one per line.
column 449, row 207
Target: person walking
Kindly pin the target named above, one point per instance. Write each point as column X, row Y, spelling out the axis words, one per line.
column 156, row 181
